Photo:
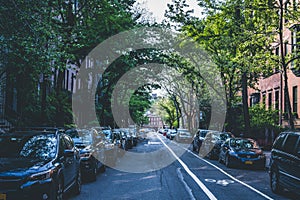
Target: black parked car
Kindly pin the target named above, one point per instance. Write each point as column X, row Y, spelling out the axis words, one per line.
column 106, row 139
column 117, row 135
column 38, row 164
column 127, row 139
column 171, row 134
column 198, row 138
column 90, row 155
column 242, row 151
column 211, row 145
column 285, row 163
column 134, row 136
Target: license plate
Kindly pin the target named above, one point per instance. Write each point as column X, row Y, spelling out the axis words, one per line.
column 2, row 196
column 248, row 162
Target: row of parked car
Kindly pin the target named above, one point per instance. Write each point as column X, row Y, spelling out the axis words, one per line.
column 179, row 135
column 45, row 162
column 284, row 158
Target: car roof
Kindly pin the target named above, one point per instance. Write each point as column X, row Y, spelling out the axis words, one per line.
column 291, row 132
column 27, row 133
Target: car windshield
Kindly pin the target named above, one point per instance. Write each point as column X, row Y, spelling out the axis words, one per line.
column 243, row 144
column 108, row 134
column 213, row 136
column 225, row 136
column 85, row 137
column 40, row 147
column 72, row 133
column 203, row 133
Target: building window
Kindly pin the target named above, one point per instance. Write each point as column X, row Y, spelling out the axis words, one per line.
column 254, row 99
column 270, row 100
column 277, row 51
column 295, row 97
column 277, row 100
column 295, row 41
column 286, row 48
column 264, row 99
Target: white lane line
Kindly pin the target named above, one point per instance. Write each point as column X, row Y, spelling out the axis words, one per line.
column 187, row 188
column 232, row 177
column 193, row 176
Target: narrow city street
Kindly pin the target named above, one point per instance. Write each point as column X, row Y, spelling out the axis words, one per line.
column 189, row 177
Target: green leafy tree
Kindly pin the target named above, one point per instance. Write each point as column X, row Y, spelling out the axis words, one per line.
column 40, row 40
column 234, row 33
column 168, row 112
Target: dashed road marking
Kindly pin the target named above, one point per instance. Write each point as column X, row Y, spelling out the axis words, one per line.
column 187, row 188
column 208, row 193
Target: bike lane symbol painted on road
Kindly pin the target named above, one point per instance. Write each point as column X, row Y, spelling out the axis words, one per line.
column 223, row 182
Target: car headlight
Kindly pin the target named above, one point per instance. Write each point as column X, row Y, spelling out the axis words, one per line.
column 42, row 175
column 85, row 155
column 232, row 153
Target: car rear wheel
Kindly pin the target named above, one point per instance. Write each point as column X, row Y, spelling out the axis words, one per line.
column 220, row 159
column 194, row 149
column 59, row 190
column 77, row 186
column 227, row 161
column 274, row 181
column 94, row 173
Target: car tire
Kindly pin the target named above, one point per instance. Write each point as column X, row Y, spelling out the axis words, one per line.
column 220, row 159
column 194, row 149
column 227, row 161
column 102, row 169
column 94, row 173
column 125, row 146
column 274, row 182
column 58, row 194
column 209, row 156
column 77, row 185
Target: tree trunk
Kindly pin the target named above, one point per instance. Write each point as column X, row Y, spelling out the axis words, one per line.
column 245, row 104
column 287, row 103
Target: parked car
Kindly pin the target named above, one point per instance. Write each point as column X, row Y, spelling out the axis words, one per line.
column 242, row 151
column 183, row 136
column 90, row 163
column 163, row 131
column 171, row 134
column 285, row 162
column 144, row 131
column 108, row 146
column 134, row 136
column 117, row 135
column 212, row 143
column 198, row 139
column 38, row 164
column 127, row 139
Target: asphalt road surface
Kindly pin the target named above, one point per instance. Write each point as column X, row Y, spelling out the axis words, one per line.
column 187, row 176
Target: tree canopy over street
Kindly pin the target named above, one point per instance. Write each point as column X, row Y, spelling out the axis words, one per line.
column 41, row 42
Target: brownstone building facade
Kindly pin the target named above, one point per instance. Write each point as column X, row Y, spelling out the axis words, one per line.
column 270, row 89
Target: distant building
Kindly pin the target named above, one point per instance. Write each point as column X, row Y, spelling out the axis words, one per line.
column 154, row 121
